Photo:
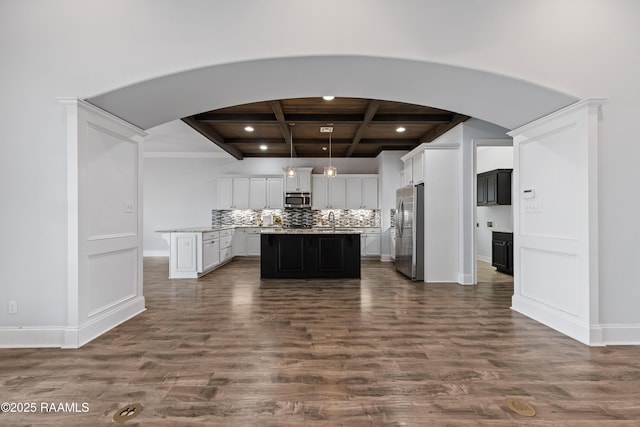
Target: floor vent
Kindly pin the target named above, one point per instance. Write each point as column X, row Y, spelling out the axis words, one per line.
column 127, row 412
column 520, row 406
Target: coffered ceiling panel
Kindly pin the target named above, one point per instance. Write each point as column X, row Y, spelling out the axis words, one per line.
column 361, row 127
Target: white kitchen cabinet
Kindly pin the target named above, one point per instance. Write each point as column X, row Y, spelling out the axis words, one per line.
column 210, row 251
column 241, row 188
column 319, row 192
column 193, row 254
column 337, row 193
column 224, row 194
column 257, row 193
column 233, row 193
column 329, row 193
column 226, row 243
column 414, row 169
column 253, row 241
column 417, row 168
column 362, row 192
column 300, row 182
column 407, row 177
column 370, row 242
column 275, row 193
column 183, row 256
column 239, row 242
column 354, row 193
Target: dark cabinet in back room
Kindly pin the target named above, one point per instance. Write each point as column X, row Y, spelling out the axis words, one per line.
column 494, row 187
column 502, row 251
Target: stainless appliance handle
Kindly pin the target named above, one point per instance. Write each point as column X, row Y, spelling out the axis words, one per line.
column 400, row 214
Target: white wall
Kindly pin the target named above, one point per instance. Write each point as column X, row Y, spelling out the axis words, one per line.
column 79, row 48
column 490, row 158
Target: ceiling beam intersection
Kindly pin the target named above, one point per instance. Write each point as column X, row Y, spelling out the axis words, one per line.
column 372, row 108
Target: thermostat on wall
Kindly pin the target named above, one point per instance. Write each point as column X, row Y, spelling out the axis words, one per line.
column 529, row 194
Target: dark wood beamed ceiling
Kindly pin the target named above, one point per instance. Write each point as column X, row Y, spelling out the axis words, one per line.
column 362, row 127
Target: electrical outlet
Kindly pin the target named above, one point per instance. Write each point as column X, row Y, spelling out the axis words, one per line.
column 128, row 207
column 12, row 307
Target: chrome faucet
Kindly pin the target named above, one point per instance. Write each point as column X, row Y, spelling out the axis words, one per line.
column 332, row 218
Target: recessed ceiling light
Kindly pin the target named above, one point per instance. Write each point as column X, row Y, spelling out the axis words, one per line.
column 328, row 98
column 248, row 128
column 324, row 148
column 400, row 129
column 263, row 147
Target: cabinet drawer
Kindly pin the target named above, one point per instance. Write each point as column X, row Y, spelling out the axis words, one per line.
column 224, row 233
column 225, row 254
column 210, row 235
column 225, row 242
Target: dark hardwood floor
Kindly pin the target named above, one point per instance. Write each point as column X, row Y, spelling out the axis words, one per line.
column 230, row 349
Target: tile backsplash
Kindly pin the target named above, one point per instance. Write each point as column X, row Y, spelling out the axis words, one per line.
column 298, row 217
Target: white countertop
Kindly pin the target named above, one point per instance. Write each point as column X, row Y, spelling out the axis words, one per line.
column 321, row 230
column 269, row 229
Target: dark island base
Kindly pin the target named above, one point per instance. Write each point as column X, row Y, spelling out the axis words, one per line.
column 310, row 256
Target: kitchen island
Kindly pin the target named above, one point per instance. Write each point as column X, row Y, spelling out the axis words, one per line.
column 309, row 254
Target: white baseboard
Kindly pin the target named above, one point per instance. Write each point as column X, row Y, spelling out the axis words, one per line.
column 31, row 336
column 621, row 334
column 482, row 258
column 155, row 253
column 385, row 258
column 88, row 331
column 64, row 337
column 560, row 321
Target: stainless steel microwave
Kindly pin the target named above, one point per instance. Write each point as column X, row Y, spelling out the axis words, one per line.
column 297, row 200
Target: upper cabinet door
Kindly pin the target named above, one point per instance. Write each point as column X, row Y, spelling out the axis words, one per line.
column 362, row 193
column 319, row 192
column 300, row 182
column 370, row 193
column 240, row 193
column 408, row 172
column 337, row 193
column 258, row 193
column 417, row 168
column 224, row 196
column 275, row 193
column 354, row 193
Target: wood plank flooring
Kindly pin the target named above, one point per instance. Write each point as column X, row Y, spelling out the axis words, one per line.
column 230, row 349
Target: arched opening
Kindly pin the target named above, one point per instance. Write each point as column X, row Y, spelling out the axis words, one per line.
column 506, row 101
column 501, row 100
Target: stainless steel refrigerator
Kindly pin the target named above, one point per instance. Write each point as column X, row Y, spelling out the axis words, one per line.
column 410, row 231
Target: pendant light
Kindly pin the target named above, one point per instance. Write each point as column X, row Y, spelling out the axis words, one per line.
column 329, row 171
column 290, row 171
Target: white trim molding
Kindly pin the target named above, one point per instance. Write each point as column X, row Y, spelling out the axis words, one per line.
column 555, row 208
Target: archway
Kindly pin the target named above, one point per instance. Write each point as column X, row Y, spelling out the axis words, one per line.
column 499, row 99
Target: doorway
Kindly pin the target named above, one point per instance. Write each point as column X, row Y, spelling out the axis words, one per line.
column 489, row 218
